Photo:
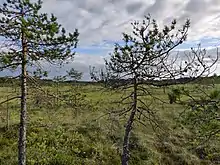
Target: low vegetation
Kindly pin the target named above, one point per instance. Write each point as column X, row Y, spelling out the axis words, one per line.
column 76, row 128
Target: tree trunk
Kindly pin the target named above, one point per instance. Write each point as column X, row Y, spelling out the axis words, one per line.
column 23, row 114
column 125, row 153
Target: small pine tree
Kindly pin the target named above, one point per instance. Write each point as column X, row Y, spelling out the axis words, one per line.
column 145, row 59
column 31, row 36
column 74, row 74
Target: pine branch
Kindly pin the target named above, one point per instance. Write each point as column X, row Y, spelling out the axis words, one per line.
column 9, row 65
column 10, row 99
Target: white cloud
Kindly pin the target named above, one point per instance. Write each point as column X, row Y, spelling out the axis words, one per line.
column 99, row 20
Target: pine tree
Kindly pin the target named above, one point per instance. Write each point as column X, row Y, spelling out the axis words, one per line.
column 74, row 75
column 31, row 36
column 143, row 61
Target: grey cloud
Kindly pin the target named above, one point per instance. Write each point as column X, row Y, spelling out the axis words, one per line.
column 196, row 6
column 134, row 7
column 155, row 8
column 95, row 7
column 194, row 9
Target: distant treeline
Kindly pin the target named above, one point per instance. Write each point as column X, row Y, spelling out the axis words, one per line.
column 9, row 81
column 165, row 82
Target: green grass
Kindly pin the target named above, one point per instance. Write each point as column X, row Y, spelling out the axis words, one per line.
column 61, row 134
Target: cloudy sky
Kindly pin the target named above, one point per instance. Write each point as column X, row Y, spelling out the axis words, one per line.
column 101, row 22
